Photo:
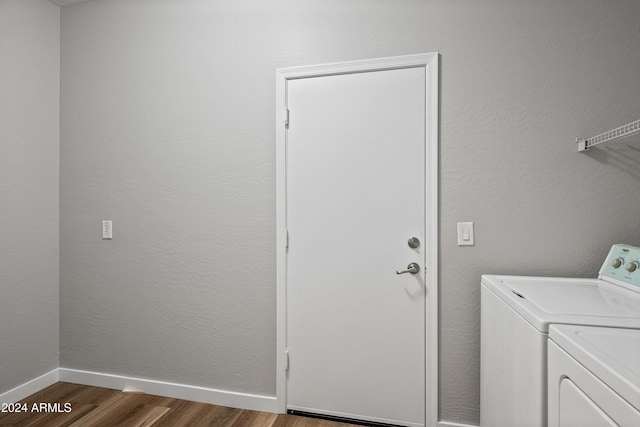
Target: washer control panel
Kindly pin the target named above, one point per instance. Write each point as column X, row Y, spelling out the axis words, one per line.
column 623, row 265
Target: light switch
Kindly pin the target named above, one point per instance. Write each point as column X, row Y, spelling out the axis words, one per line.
column 465, row 234
column 107, row 230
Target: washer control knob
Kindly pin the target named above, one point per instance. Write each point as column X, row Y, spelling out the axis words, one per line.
column 631, row 266
column 617, row 262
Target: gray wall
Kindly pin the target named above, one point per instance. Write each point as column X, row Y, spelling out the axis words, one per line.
column 29, row 160
column 168, row 129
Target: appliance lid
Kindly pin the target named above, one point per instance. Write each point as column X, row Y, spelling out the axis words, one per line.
column 611, row 354
column 545, row 300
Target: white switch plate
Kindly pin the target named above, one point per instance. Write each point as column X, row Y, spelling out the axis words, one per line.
column 107, row 230
column 465, row 234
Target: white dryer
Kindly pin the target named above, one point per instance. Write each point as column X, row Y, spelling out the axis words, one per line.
column 515, row 318
column 593, row 376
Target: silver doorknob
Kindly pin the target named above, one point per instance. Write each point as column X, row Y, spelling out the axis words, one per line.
column 412, row 268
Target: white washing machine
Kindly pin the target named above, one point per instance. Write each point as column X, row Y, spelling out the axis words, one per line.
column 516, row 314
column 593, row 376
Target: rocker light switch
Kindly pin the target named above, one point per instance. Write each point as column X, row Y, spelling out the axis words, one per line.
column 465, row 234
column 107, row 230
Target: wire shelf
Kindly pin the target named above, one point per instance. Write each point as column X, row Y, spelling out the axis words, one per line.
column 616, row 134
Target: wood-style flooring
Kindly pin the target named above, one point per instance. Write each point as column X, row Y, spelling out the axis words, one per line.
column 98, row 407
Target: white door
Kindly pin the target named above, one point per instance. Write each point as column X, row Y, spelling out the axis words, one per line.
column 355, row 192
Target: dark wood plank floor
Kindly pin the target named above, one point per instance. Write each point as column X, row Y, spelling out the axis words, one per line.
column 98, row 407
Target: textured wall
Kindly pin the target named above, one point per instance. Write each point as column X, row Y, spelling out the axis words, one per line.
column 168, row 129
column 29, row 157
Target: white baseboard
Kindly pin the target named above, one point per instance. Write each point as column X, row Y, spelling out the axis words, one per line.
column 27, row 389
column 450, row 424
column 177, row 391
column 160, row 388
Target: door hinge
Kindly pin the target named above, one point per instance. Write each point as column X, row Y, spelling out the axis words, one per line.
column 286, row 117
column 286, row 240
column 286, row 360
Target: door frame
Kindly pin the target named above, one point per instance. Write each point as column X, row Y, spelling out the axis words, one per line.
column 428, row 61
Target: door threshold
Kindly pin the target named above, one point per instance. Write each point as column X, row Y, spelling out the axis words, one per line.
column 339, row 419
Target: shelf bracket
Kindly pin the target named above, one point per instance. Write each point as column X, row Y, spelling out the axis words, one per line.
column 617, row 134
